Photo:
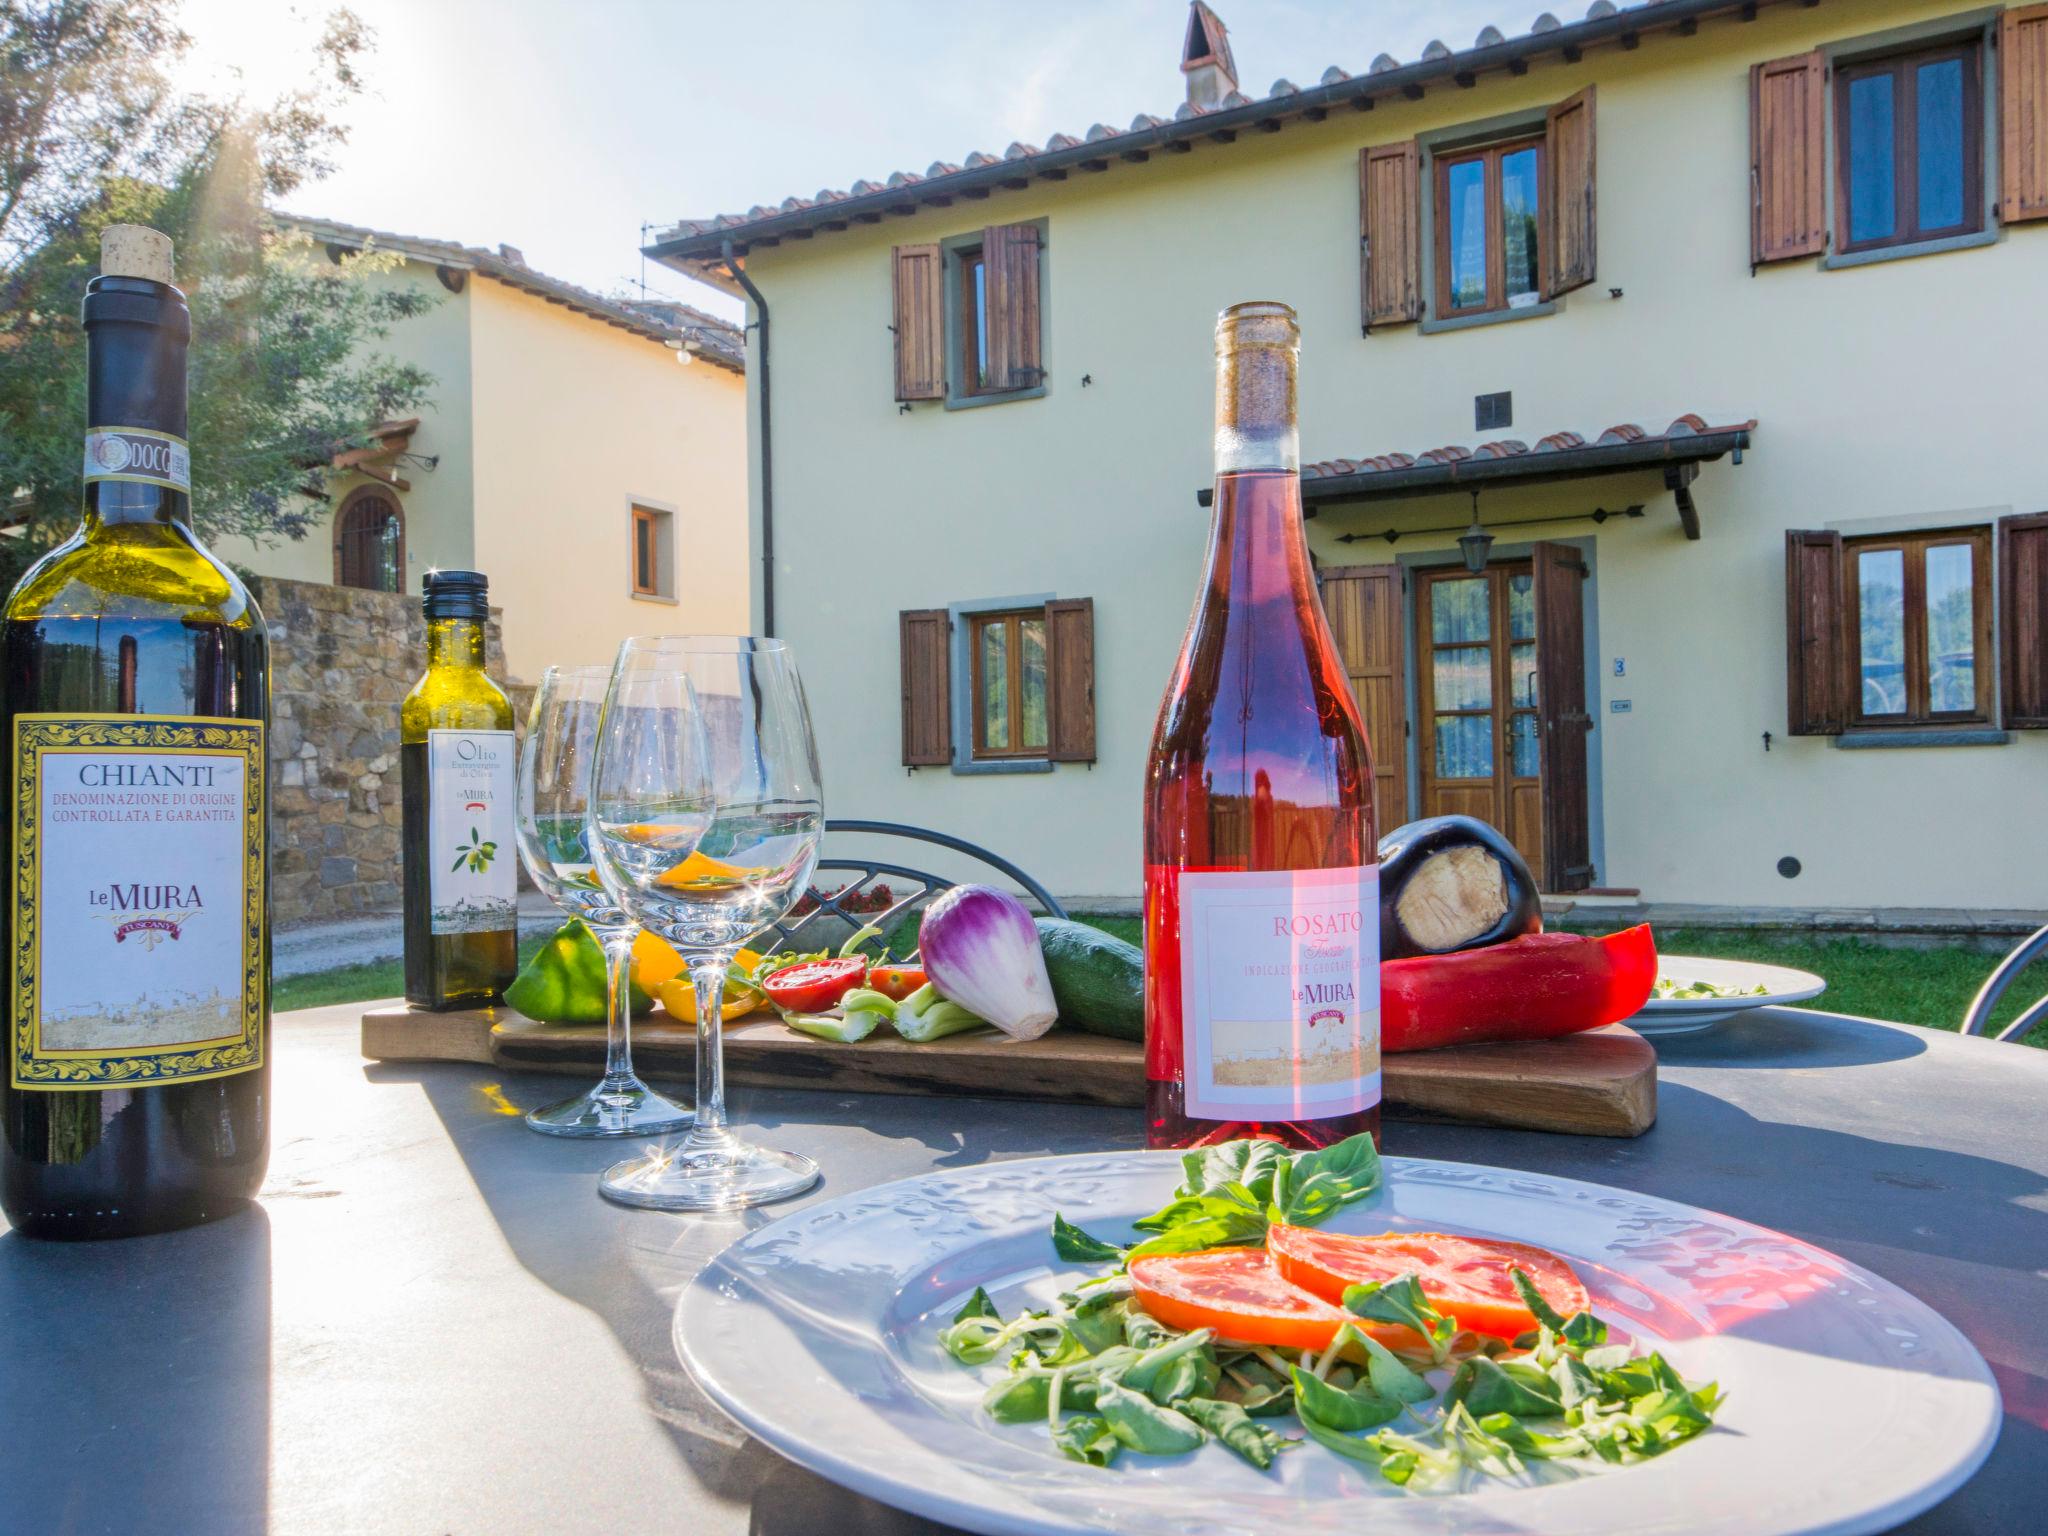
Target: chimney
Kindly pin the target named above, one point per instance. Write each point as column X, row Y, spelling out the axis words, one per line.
column 513, row 254
column 1205, row 58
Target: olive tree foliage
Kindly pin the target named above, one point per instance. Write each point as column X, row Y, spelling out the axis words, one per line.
column 284, row 369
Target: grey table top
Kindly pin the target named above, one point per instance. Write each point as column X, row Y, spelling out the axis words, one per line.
column 431, row 1323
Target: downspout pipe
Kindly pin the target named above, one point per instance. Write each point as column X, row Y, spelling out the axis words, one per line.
column 760, row 304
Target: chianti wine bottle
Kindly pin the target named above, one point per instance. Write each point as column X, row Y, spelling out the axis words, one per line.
column 457, row 769
column 136, row 669
column 1261, row 913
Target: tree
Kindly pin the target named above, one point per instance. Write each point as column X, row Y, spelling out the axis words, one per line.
column 284, row 371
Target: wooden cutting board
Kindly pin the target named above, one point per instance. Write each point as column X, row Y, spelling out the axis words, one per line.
column 1601, row 1083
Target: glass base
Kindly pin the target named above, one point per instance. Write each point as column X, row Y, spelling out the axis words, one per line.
column 724, row 1176
column 618, row 1106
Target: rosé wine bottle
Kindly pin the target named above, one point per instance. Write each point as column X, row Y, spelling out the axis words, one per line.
column 1262, row 995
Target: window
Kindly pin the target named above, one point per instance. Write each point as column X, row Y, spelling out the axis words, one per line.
column 1007, row 654
column 369, row 541
column 968, row 317
column 1920, row 621
column 970, row 327
column 653, row 553
column 1489, row 245
column 1908, row 144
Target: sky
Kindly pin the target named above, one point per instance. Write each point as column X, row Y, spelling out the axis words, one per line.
column 562, row 126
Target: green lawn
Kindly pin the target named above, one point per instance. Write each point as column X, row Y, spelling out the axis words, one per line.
column 1918, row 986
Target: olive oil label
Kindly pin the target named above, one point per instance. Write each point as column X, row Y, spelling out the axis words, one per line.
column 472, row 867
column 135, row 453
column 139, row 874
column 1280, row 992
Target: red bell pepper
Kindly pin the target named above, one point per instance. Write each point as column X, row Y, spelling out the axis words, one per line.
column 1533, row 988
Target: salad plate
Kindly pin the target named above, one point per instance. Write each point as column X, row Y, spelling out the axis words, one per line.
column 1706, row 992
column 1849, row 1405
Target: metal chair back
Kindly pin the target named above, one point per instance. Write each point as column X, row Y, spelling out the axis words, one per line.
column 1978, row 1020
column 867, row 898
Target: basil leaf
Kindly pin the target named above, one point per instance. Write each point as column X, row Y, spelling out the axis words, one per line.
column 1532, row 1298
column 1389, row 1376
column 1077, row 1247
column 1575, row 1381
column 1248, row 1163
column 1520, row 1438
column 1230, row 1424
column 1366, row 1450
column 1195, row 1375
column 1143, row 1331
column 1146, row 1372
column 1401, row 1301
column 1360, row 1408
column 1018, row 1399
column 1095, row 1330
column 1142, row 1425
column 1488, row 1387
column 1323, row 1182
column 977, row 1305
column 1085, row 1437
column 1223, row 1223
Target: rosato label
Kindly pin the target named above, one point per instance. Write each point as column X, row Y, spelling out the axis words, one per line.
column 135, row 453
column 1280, row 992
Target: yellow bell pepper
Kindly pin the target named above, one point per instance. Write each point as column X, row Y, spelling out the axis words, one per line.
column 680, row 998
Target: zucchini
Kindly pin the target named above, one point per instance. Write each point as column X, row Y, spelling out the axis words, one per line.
column 1098, row 981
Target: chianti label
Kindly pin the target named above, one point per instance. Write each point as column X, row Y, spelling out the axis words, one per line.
column 472, row 868
column 135, row 453
column 1280, row 993
column 139, row 861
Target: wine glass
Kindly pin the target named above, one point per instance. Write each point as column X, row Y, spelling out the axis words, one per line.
column 708, row 873
column 552, row 826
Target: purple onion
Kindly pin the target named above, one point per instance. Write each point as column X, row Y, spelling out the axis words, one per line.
column 980, row 949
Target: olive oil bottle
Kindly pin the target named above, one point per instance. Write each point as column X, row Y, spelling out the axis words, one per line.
column 137, row 700
column 457, row 766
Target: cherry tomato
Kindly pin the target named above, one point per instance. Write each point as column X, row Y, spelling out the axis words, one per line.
column 815, row 985
column 896, row 981
column 1465, row 1277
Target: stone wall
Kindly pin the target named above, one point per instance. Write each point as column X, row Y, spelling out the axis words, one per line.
column 341, row 661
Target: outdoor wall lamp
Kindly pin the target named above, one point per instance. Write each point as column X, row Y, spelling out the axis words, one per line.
column 1475, row 541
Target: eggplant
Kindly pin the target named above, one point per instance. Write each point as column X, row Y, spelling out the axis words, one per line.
column 1449, row 883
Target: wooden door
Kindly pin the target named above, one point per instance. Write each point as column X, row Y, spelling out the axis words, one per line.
column 1560, row 602
column 1476, row 663
column 1363, row 603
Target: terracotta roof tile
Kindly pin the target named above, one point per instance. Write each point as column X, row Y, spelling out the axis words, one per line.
column 1623, row 432
column 1557, row 442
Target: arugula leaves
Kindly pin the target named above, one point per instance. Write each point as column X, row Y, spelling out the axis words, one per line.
column 1107, row 1378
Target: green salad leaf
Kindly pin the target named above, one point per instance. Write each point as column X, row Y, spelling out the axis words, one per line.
column 1078, row 1247
column 1401, row 1301
column 1237, row 1430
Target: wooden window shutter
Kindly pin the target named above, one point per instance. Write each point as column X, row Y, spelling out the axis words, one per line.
column 2023, row 620
column 1562, row 717
column 1570, row 209
column 1390, row 234
column 1787, row 158
column 2023, row 114
column 920, row 302
column 1009, row 256
column 926, row 640
column 1363, row 605
column 1816, row 645
column 1070, row 680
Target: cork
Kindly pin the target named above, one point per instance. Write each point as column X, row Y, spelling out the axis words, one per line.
column 1258, row 351
column 134, row 250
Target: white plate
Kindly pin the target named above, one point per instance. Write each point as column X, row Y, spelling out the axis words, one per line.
column 1851, row 1404
column 1691, row 1015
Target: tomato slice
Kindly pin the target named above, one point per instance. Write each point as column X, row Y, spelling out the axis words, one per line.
column 815, row 985
column 1239, row 1294
column 1466, row 1277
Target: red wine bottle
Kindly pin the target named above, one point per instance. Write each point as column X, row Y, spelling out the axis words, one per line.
column 1261, row 894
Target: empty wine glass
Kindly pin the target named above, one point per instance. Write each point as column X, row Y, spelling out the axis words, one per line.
column 707, row 872
column 552, row 823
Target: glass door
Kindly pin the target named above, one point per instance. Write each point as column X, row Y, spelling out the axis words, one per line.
column 1476, row 687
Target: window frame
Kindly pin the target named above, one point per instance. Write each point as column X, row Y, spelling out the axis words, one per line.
column 1013, row 620
column 1901, row 64
column 1913, row 548
column 959, row 254
column 1491, row 154
column 660, row 521
column 354, row 500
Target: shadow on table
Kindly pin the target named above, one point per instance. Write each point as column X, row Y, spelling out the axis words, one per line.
column 1795, row 1039
column 136, row 1375
column 628, row 1267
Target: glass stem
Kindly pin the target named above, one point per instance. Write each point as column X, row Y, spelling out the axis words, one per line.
column 707, row 980
column 618, row 1040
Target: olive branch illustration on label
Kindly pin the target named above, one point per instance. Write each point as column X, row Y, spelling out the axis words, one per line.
column 476, row 853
